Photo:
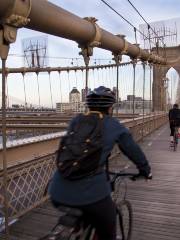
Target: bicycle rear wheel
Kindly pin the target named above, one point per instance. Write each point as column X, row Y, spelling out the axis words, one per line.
column 175, row 140
column 124, row 220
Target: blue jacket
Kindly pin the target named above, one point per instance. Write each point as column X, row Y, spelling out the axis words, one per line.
column 94, row 188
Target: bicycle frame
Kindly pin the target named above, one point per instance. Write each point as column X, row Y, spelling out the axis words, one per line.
column 81, row 233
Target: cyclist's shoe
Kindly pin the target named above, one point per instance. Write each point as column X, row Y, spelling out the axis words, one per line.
column 142, row 176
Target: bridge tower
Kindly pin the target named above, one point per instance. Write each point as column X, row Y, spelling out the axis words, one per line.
column 161, row 38
column 159, row 75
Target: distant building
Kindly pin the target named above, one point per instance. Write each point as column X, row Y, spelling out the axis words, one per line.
column 138, row 103
column 83, row 94
column 115, row 91
column 72, row 107
column 130, row 97
column 74, row 96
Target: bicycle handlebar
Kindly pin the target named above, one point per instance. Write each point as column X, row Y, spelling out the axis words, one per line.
column 132, row 176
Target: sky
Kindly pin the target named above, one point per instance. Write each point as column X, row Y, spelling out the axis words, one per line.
column 154, row 10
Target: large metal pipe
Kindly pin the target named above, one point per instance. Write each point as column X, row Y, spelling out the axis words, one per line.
column 51, row 19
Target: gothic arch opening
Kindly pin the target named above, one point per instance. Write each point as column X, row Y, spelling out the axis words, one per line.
column 173, row 84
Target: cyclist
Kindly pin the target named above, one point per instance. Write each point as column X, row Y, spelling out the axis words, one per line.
column 174, row 120
column 93, row 194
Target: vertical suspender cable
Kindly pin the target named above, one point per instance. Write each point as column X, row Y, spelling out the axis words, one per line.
column 82, row 78
column 25, row 99
column 94, row 80
column 60, row 91
column 87, row 75
column 150, row 89
column 117, row 86
column 134, row 86
column 69, row 86
column 135, row 34
column 37, row 78
column 111, row 75
column 76, row 77
column 5, row 173
column 7, row 91
column 149, row 37
column 106, row 76
column 144, row 81
column 103, row 82
column 49, row 73
column 110, row 78
column 98, row 76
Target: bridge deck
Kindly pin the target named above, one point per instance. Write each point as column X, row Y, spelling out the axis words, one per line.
column 156, row 204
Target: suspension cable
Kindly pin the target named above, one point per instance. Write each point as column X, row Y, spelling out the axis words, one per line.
column 120, row 15
column 149, row 26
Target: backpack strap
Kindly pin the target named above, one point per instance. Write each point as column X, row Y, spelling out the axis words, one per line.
column 107, row 168
column 97, row 112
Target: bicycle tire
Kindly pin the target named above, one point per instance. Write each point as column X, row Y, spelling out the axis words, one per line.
column 124, row 220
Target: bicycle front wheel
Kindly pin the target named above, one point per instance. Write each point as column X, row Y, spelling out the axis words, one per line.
column 124, row 220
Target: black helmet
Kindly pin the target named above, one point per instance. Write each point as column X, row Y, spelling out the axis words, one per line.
column 100, row 97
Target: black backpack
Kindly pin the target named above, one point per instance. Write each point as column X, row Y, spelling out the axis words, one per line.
column 80, row 149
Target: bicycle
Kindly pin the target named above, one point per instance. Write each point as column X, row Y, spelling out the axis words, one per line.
column 175, row 138
column 70, row 225
column 175, row 142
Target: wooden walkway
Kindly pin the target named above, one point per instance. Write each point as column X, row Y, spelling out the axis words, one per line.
column 156, row 204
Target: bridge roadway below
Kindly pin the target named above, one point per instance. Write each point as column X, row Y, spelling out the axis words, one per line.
column 156, row 204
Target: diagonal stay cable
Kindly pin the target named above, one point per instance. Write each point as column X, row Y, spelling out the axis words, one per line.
column 124, row 19
column 149, row 26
